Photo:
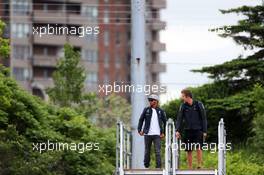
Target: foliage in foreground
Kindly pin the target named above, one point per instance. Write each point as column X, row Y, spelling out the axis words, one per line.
column 25, row 119
column 68, row 79
column 240, row 162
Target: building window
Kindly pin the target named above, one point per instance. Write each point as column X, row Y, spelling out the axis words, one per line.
column 106, row 79
column 46, row 74
column 45, row 51
column 45, row 7
column 90, row 55
column 91, row 78
column 20, row 30
column 6, row 33
column 117, row 61
column 106, row 15
column 60, row 52
column 118, row 38
column 154, row 77
column 91, row 38
column 91, row 12
column 106, row 60
column 21, row 74
column 21, row 52
column 118, row 78
column 117, row 18
column 21, row 7
column 106, row 38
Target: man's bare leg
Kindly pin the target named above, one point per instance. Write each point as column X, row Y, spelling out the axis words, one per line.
column 199, row 157
column 189, row 159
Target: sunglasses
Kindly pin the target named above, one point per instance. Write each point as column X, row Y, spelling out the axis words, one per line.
column 150, row 100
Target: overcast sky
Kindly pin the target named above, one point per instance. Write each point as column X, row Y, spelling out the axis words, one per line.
column 191, row 46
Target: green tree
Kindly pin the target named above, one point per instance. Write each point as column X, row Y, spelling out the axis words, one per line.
column 235, row 97
column 258, row 122
column 26, row 119
column 89, row 104
column 111, row 109
column 236, row 78
column 68, row 79
column 243, row 72
column 4, row 43
column 106, row 111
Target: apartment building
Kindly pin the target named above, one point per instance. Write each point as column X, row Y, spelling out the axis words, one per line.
column 106, row 56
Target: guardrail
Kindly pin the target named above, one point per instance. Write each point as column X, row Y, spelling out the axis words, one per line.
column 221, row 148
column 172, row 151
column 123, row 148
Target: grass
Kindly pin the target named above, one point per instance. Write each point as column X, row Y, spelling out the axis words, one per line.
column 242, row 161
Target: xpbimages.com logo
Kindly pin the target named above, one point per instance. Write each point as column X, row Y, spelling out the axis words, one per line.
column 61, row 146
column 56, row 29
column 126, row 88
column 212, row 147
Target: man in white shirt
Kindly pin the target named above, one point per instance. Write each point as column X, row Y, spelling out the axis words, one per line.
column 154, row 120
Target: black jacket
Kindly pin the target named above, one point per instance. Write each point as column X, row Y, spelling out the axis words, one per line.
column 193, row 117
column 146, row 116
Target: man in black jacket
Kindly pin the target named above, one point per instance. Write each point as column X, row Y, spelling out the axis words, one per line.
column 192, row 114
column 154, row 120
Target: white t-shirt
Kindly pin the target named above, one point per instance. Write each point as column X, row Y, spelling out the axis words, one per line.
column 154, row 128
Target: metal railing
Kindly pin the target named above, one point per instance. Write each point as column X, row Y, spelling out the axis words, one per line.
column 123, row 148
column 221, row 148
column 171, row 149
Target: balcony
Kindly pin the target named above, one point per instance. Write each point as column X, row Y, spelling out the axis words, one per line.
column 50, row 39
column 76, row 41
column 45, row 60
column 158, row 67
column 91, row 87
column 20, row 62
column 158, row 25
column 162, row 87
column 60, row 17
column 158, row 4
column 21, row 18
column 25, row 85
column 84, row 1
column 45, row 82
column 60, row 40
column 158, row 46
column 90, row 66
column 50, row 16
column 78, row 19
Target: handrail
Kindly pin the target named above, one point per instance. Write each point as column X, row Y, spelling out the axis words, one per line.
column 123, row 148
column 172, row 153
column 175, row 152
column 167, row 151
column 171, row 162
column 172, row 149
column 221, row 148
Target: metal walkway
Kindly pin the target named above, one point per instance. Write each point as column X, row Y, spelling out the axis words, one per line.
column 172, row 154
column 162, row 172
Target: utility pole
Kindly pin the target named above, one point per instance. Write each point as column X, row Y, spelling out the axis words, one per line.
column 138, row 99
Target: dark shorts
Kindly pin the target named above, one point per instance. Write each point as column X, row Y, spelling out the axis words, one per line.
column 193, row 139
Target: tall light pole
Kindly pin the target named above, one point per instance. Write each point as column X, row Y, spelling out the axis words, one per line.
column 138, row 99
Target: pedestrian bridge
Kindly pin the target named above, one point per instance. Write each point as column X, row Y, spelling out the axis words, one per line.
column 172, row 154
